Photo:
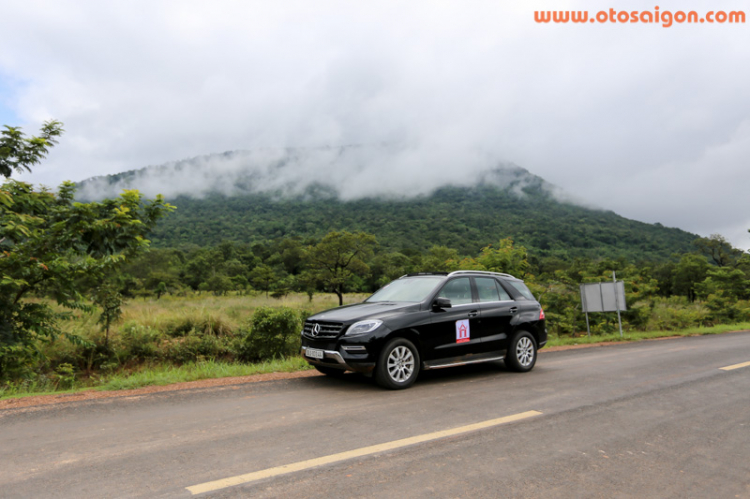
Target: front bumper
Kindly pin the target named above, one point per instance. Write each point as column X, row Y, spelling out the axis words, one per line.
column 333, row 358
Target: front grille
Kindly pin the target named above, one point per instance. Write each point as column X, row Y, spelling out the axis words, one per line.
column 328, row 330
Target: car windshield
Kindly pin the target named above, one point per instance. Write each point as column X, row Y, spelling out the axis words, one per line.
column 411, row 289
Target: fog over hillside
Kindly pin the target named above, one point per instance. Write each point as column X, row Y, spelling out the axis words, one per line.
column 352, row 172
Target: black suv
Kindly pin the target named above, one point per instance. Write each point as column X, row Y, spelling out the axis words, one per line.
column 429, row 321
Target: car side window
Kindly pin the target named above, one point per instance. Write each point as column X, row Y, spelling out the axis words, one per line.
column 487, row 289
column 521, row 287
column 490, row 290
column 458, row 291
column 503, row 294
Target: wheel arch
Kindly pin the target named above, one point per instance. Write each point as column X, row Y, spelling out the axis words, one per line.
column 408, row 334
column 530, row 328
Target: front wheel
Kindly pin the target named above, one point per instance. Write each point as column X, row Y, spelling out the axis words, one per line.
column 398, row 364
column 521, row 355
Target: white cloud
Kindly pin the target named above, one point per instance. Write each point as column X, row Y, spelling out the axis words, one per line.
column 641, row 119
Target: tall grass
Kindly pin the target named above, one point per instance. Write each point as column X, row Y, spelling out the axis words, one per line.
column 646, row 335
column 233, row 310
column 161, row 341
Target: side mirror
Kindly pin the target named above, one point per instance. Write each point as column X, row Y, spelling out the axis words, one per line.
column 441, row 303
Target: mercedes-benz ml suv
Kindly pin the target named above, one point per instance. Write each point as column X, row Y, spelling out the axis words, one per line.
column 429, row 321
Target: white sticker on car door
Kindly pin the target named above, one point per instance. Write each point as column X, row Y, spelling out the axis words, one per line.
column 463, row 334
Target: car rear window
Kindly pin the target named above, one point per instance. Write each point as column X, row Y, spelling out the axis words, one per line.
column 521, row 287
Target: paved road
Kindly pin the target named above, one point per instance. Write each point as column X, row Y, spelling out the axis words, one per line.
column 652, row 419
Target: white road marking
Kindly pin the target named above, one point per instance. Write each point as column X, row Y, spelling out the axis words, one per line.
column 364, row 451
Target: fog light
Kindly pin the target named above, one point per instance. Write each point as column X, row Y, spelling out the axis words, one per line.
column 354, row 348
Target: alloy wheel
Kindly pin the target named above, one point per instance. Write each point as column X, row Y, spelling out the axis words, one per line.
column 400, row 364
column 525, row 351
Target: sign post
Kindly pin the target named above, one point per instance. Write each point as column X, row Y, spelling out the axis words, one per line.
column 604, row 297
column 585, row 311
column 617, row 301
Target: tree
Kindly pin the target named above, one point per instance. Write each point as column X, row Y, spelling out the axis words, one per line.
column 719, row 250
column 288, row 252
column 730, row 283
column 161, row 289
column 219, row 284
column 200, row 268
column 108, row 298
column 339, row 258
column 49, row 243
column 439, row 259
column 505, row 258
column 389, row 266
column 20, row 153
column 307, row 282
column 689, row 272
column 262, row 276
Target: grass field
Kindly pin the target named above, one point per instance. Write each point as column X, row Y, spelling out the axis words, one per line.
column 167, row 327
column 232, row 311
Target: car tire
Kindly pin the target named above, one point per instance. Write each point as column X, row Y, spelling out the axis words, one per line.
column 522, row 352
column 331, row 371
column 398, row 364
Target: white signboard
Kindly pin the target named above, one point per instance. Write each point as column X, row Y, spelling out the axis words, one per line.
column 603, row 297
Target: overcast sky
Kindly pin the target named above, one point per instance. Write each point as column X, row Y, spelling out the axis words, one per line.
column 651, row 122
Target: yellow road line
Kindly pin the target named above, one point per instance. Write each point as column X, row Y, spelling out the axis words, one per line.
column 364, row 451
column 735, row 366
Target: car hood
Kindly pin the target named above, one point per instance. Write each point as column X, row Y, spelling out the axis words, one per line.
column 361, row 311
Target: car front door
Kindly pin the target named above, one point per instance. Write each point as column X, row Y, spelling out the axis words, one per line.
column 453, row 332
column 497, row 309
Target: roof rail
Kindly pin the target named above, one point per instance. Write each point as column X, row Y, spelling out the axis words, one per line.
column 413, row 274
column 481, row 272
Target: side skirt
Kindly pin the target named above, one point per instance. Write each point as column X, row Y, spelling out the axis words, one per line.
column 462, row 361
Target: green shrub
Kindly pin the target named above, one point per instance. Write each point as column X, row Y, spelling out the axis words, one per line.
column 182, row 350
column 65, row 375
column 94, row 354
column 180, row 327
column 139, row 342
column 274, row 333
column 183, row 326
column 726, row 309
column 637, row 315
column 198, row 346
column 676, row 312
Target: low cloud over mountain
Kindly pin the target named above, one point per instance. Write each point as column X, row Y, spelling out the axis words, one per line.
column 352, row 172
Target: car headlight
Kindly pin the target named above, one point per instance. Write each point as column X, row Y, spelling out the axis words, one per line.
column 363, row 327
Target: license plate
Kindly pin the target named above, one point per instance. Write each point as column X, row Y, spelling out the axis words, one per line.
column 314, row 353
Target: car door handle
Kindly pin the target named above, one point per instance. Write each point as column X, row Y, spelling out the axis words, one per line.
column 473, row 313
column 513, row 310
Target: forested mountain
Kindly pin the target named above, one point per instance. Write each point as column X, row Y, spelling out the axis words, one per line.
column 462, row 218
column 258, row 203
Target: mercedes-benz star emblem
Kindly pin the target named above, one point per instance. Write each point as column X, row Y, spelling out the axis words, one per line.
column 316, row 329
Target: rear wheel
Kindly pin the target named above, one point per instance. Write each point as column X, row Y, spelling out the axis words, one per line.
column 521, row 355
column 330, row 371
column 398, row 364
